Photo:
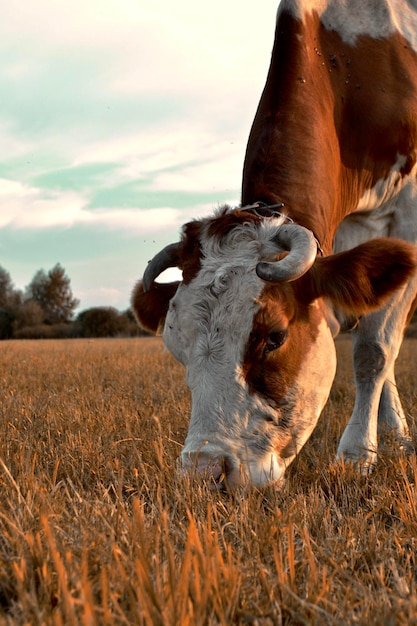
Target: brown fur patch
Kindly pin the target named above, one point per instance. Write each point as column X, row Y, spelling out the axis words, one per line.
column 221, row 225
column 272, row 373
column 362, row 279
column 191, row 251
column 150, row 308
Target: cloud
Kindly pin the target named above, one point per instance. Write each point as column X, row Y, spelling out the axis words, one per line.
column 117, row 182
column 26, row 207
column 13, row 146
column 186, row 158
column 118, row 124
column 164, row 96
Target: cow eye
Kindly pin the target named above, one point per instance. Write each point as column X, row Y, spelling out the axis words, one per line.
column 275, row 340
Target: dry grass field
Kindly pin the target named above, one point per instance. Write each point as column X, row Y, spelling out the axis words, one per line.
column 96, row 527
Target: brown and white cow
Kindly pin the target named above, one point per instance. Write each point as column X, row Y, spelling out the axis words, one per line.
column 264, row 291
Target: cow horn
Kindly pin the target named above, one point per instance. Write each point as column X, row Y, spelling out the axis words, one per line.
column 168, row 257
column 302, row 251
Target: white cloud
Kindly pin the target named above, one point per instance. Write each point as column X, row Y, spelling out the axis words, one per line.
column 161, row 95
column 188, row 159
column 13, row 146
column 201, row 53
column 221, row 171
column 199, row 73
column 25, row 207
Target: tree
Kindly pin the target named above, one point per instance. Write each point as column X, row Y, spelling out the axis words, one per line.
column 10, row 298
column 10, row 301
column 6, row 287
column 6, row 324
column 36, row 291
column 53, row 293
column 29, row 313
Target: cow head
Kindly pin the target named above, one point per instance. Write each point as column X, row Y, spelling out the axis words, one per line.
column 253, row 323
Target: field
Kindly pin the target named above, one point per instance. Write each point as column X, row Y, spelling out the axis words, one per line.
column 96, row 526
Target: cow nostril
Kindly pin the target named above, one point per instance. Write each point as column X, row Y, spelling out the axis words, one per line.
column 213, row 470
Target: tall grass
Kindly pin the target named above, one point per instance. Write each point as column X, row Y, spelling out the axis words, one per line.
column 96, row 526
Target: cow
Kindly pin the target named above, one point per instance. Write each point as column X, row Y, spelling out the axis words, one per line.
column 324, row 239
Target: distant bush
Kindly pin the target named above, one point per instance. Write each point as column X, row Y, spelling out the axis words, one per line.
column 106, row 322
column 45, row 331
column 131, row 327
column 94, row 322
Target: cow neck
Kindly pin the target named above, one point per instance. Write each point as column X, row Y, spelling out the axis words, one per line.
column 267, row 211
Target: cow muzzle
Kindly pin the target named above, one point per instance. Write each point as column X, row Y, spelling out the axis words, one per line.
column 219, row 471
column 222, row 471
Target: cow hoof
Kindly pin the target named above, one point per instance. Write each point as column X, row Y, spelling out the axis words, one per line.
column 363, row 462
column 390, row 444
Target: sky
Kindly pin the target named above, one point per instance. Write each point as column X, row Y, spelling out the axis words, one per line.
column 121, row 120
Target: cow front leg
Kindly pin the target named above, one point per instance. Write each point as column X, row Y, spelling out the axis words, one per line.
column 376, row 343
column 359, row 442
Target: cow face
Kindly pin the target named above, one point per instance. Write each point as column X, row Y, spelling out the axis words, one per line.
column 257, row 344
column 259, row 366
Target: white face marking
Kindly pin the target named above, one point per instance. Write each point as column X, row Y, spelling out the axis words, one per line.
column 267, row 469
column 207, row 328
column 352, row 18
column 315, row 379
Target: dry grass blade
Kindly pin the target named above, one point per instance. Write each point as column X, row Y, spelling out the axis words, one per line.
column 97, row 527
column 64, row 588
column 20, row 498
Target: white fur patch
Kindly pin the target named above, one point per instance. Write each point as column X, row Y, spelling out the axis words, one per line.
column 385, row 189
column 352, row 18
column 386, row 210
column 267, row 469
column 207, row 328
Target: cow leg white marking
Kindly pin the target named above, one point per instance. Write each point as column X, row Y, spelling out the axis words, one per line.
column 359, row 440
column 376, row 343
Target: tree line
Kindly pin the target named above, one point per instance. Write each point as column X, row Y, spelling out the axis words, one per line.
column 46, row 309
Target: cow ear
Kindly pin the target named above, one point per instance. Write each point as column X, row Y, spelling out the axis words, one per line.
column 362, row 279
column 150, row 308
